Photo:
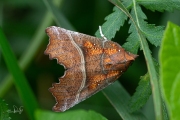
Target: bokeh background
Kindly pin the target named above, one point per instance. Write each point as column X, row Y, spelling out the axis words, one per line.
column 21, row 21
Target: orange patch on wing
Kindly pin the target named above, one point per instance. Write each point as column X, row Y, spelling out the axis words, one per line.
column 112, row 73
column 95, row 80
column 110, row 51
column 96, row 51
column 92, row 49
column 107, row 60
column 88, row 44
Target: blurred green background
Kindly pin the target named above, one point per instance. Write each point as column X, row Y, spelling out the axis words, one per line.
column 21, row 21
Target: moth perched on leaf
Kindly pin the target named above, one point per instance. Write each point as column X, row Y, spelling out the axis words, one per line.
column 91, row 64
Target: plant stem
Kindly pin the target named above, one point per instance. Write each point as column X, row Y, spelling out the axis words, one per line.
column 148, row 58
column 153, row 79
column 151, row 70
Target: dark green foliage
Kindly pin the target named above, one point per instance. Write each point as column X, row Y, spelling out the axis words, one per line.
column 160, row 5
column 143, row 91
column 4, row 115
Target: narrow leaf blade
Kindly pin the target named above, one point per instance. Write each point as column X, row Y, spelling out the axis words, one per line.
column 20, row 81
column 119, row 98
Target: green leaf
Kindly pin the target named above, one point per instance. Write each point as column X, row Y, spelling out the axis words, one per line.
column 133, row 41
column 169, row 71
column 4, row 115
column 113, row 23
column 143, row 91
column 69, row 115
column 153, row 33
column 20, row 81
column 175, row 98
column 150, row 31
column 160, row 5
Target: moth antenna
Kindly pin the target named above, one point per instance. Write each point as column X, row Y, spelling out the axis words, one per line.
column 102, row 35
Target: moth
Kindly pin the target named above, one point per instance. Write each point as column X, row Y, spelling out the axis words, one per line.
column 91, row 64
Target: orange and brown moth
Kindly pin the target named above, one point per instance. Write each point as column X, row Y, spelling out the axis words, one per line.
column 91, row 64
